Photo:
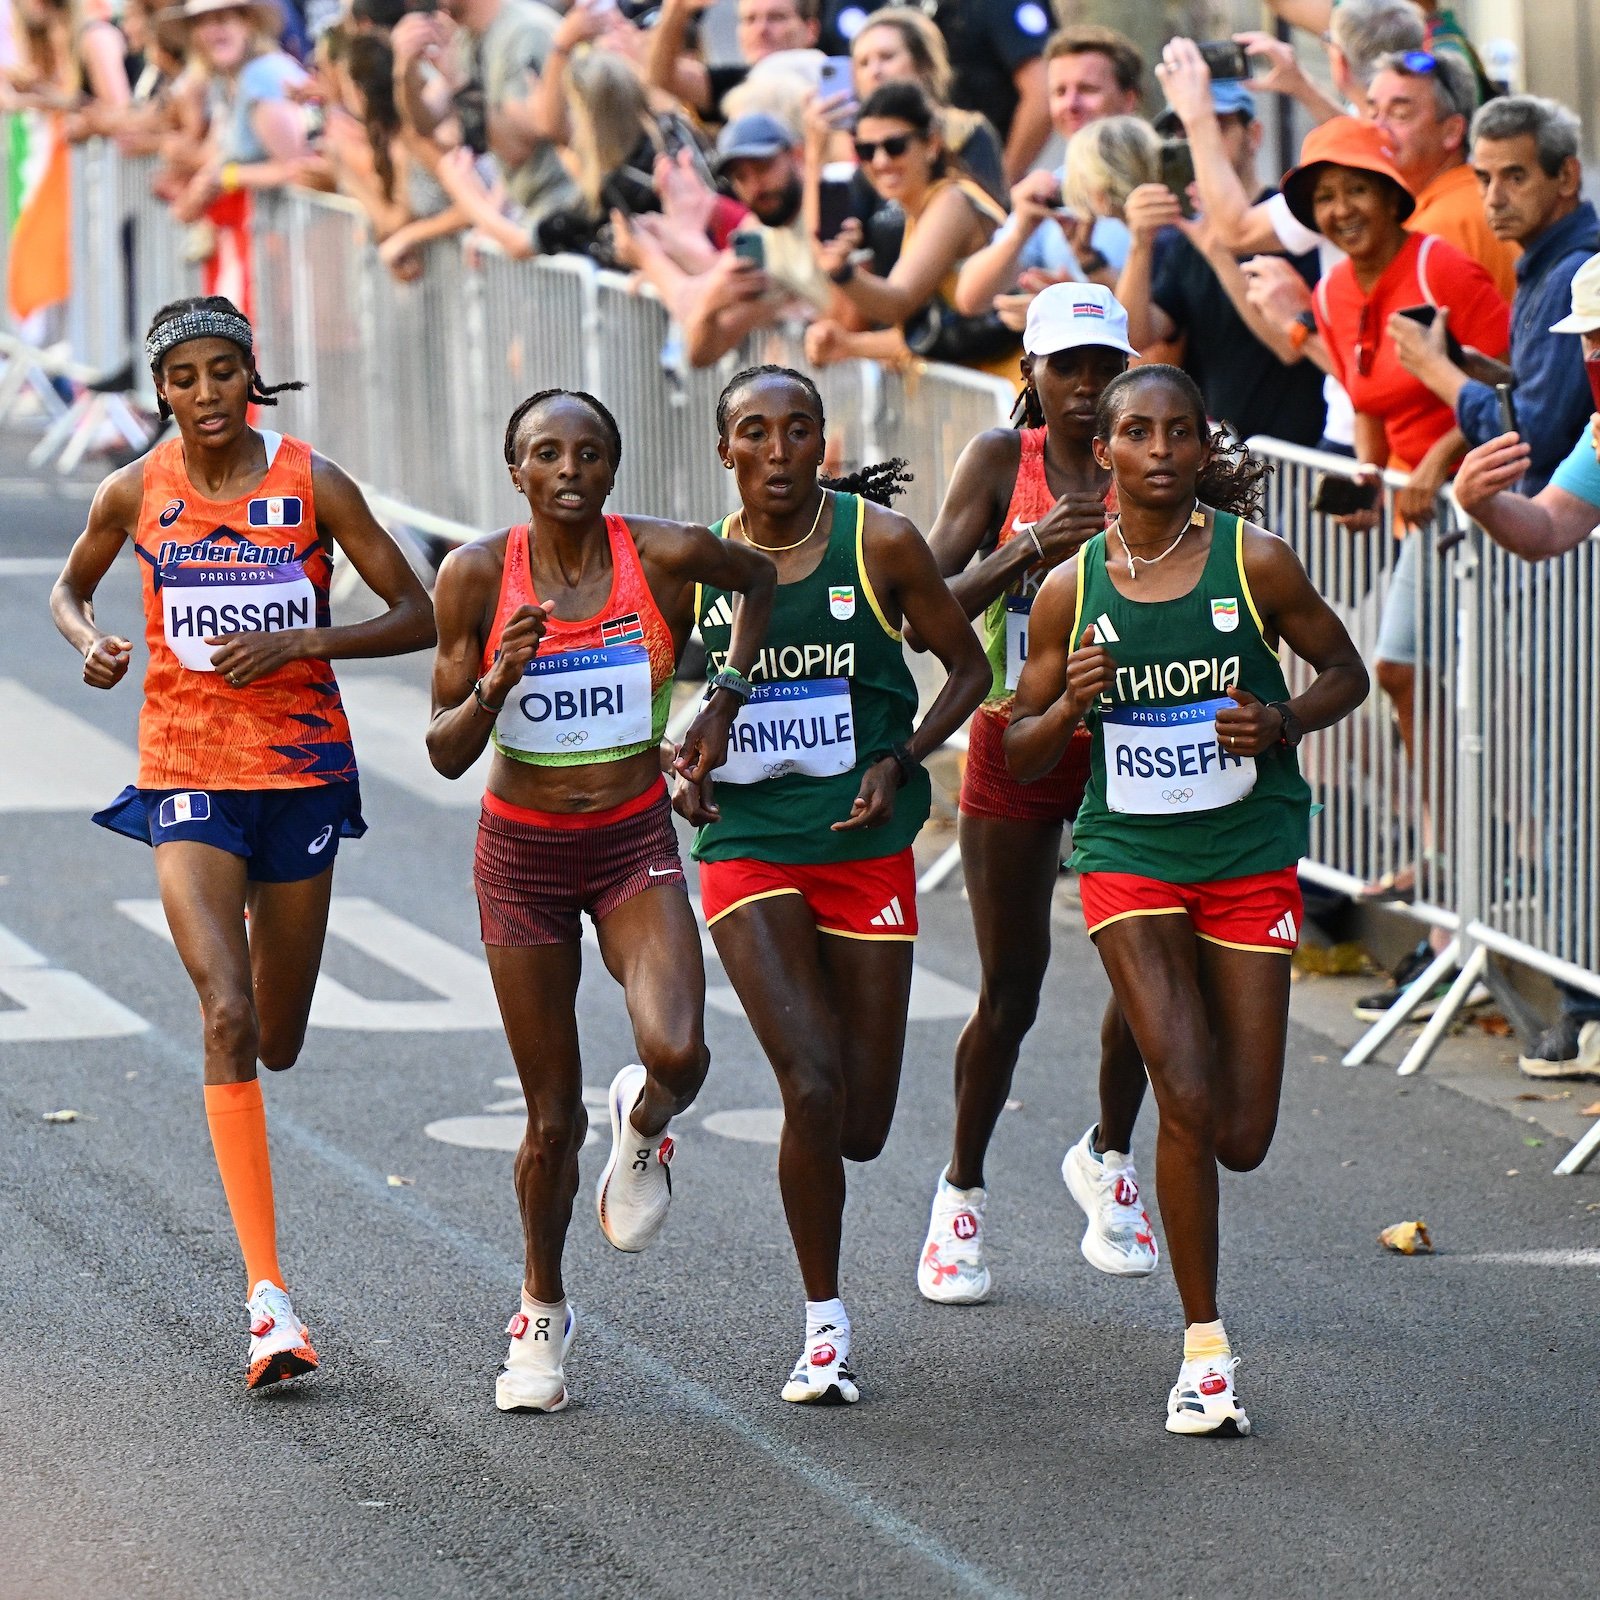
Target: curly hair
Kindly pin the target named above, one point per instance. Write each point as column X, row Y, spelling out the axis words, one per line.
column 606, row 420
column 880, row 482
column 1232, row 479
column 259, row 393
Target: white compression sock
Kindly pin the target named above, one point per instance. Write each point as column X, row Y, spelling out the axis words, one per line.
column 822, row 1314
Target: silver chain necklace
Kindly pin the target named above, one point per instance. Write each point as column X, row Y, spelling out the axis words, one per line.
column 1197, row 519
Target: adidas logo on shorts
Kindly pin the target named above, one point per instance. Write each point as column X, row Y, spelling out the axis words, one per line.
column 1284, row 928
column 891, row 916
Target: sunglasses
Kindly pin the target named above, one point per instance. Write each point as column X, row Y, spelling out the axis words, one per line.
column 894, row 147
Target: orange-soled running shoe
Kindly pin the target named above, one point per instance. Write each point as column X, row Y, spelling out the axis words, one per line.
column 280, row 1343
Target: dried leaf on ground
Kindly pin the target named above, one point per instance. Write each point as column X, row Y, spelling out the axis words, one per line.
column 1492, row 1023
column 63, row 1116
column 1566, row 1094
column 1407, row 1239
column 1591, row 1111
column 397, row 1182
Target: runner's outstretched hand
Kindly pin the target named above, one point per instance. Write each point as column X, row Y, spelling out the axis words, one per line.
column 692, row 801
column 1091, row 670
column 705, row 745
column 1247, row 728
column 105, row 662
column 874, row 805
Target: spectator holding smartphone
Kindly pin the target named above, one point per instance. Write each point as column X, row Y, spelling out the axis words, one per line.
column 1525, row 158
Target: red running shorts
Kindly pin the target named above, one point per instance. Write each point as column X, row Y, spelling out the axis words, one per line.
column 875, row 899
column 989, row 792
column 1259, row 912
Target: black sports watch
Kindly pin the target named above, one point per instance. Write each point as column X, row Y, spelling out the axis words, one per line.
column 1292, row 733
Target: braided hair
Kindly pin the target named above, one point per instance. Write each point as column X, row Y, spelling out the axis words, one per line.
column 1232, row 479
column 602, row 415
column 259, row 393
column 880, row 482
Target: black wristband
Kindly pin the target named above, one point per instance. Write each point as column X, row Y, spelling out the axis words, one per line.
column 483, row 705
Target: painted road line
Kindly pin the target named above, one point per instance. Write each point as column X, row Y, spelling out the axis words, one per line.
column 52, row 1004
column 55, row 761
column 389, row 723
column 1531, row 1258
column 30, row 566
column 460, row 981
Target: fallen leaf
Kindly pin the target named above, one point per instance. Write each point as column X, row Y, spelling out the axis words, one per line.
column 1347, row 1163
column 1511, row 1172
column 1533, row 1144
column 1319, row 1059
column 397, row 1182
column 1407, row 1239
column 130, row 1076
column 1494, row 1025
column 62, row 1116
column 1566, row 1094
column 1591, row 1111
column 1013, row 1105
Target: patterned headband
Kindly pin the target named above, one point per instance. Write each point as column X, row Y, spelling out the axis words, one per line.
column 198, row 324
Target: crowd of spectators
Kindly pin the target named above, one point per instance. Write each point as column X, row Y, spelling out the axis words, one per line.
column 896, row 183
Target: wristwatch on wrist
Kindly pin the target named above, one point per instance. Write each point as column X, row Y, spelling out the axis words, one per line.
column 902, row 757
column 1292, row 732
column 1301, row 329
column 734, row 681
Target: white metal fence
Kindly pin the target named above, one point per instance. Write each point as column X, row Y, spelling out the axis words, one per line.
column 409, row 386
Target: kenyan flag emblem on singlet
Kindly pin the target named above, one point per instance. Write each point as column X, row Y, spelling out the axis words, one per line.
column 622, row 630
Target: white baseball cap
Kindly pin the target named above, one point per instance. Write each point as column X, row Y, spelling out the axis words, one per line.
column 1585, row 317
column 1067, row 315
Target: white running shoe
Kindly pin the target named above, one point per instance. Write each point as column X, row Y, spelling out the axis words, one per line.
column 951, row 1270
column 280, row 1343
column 635, row 1189
column 533, row 1377
column 1119, row 1238
column 822, row 1375
column 1203, row 1402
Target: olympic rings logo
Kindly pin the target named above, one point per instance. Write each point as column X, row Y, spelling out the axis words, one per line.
column 1177, row 797
column 781, row 769
column 573, row 736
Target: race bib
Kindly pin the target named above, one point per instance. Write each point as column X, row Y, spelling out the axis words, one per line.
column 577, row 700
column 203, row 602
column 1167, row 760
column 806, row 727
column 1017, row 610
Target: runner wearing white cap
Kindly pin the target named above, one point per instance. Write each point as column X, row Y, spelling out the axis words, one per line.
column 1023, row 500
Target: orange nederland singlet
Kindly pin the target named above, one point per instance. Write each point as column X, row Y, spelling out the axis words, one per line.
column 211, row 568
column 599, row 689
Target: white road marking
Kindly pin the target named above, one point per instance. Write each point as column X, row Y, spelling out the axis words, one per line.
column 54, row 1004
column 1533, row 1258
column 503, row 1129
column 388, row 723
column 462, row 981
column 29, row 566
column 763, row 1126
column 55, row 761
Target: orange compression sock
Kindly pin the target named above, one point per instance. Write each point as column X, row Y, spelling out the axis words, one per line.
column 238, row 1121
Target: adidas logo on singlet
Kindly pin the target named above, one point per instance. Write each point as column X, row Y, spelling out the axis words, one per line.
column 891, row 916
column 1104, row 633
column 720, row 615
column 1284, row 928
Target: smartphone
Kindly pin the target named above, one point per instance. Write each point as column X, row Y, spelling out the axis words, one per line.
column 1177, row 171
column 1225, row 59
column 837, row 77
column 834, row 200
column 1425, row 315
column 1508, row 409
column 1342, row 497
column 749, row 246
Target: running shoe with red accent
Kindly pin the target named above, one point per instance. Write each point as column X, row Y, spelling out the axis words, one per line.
column 280, row 1343
column 1119, row 1238
column 823, row 1376
column 635, row 1188
column 534, row 1376
column 951, row 1270
column 1203, row 1401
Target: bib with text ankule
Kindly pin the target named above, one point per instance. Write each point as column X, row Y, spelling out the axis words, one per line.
column 805, row 728
column 200, row 602
column 577, row 700
column 1166, row 760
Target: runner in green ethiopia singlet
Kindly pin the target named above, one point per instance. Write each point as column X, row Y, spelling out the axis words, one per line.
column 833, row 693
column 1165, row 800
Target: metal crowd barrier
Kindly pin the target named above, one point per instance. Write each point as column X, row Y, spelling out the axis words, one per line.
column 410, row 385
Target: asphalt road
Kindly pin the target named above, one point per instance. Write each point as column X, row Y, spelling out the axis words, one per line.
column 1426, row 1425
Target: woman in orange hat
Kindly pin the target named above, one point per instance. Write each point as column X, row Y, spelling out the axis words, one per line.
column 1348, row 188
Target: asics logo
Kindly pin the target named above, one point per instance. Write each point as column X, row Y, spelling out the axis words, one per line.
column 964, row 1225
column 320, row 843
column 1177, row 797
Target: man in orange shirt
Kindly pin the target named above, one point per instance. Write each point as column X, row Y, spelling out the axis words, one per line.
column 1423, row 103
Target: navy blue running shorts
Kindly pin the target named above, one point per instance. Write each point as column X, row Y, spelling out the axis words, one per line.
column 283, row 835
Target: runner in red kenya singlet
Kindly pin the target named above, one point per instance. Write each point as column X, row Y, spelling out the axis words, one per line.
column 1035, row 495
column 557, row 642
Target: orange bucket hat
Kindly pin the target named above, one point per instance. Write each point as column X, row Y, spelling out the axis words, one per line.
column 1341, row 142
